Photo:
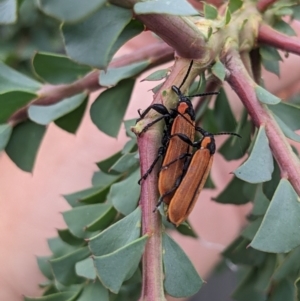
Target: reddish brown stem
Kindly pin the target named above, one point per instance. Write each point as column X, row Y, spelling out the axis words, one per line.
column 177, row 31
column 271, row 37
column 244, row 86
column 157, row 54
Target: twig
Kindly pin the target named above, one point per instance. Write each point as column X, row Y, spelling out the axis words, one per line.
column 272, row 37
column 243, row 85
column 157, row 54
column 178, row 32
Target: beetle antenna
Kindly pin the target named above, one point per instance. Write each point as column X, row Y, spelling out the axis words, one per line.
column 187, row 74
column 228, row 133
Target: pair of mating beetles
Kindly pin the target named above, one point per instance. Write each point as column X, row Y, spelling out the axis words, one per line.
column 183, row 172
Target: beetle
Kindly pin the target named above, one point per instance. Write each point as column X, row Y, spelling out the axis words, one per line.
column 180, row 120
column 194, row 176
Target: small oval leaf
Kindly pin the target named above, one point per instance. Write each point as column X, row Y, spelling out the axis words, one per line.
column 279, row 231
column 108, row 110
column 114, row 268
column 174, row 7
column 259, row 166
column 266, row 97
column 181, row 278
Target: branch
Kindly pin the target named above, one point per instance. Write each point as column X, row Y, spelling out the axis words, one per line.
column 178, row 32
column 270, row 36
column 263, row 5
column 157, row 54
column 243, row 85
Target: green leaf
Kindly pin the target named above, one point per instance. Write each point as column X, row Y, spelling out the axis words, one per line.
column 157, row 75
column 289, row 266
column 208, row 121
column 44, row 266
column 235, row 148
column 259, row 166
column 223, row 113
column 70, row 10
column 260, row 203
column 8, row 9
column 284, row 290
column 114, row 75
column 272, row 66
column 218, row 70
column 108, row 110
column 127, row 230
column 250, row 231
column 74, row 198
column 287, row 130
column 101, row 179
column 296, row 10
column 59, row 248
column 64, row 267
column 210, row 12
column 181, row 278
column 88, row 43
column 45, row 114
column 156, row 88
column 71, row 121
column 98, row 196
column 227, row 18
column 128, row 125
column 10, row 102
column 106, row 164
column 65, row 296
column 278, row 232
column 269, row 53
column 94, row 291
column 266, row 97
column 11, row 80
column 270, row 186
column 86, row 269
column 246, row 289
column 129, row 147
column 235, row 5
column 234, row 193
column 57, row 69
column 209, row 184
column 68, row 288
column 265, row 273
column 79, row 218
column 288, row 113
column 176, row 7
column 283, row 11
column 5, row 133
column 126, row 162
column 69, row 238
column 27, row 136
column 114, row 268
column 284, row 27
column 103, row 221
column 186, row 229
column 239, row 252
column 125, row 200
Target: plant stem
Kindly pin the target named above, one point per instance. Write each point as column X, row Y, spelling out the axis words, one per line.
column 272, row 37
column 157, row 54
column 244, row 86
